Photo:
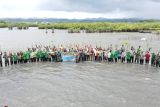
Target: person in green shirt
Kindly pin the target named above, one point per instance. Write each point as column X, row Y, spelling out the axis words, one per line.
column 38, row 55
column 42, row 56
column 45, row 56
column 128, row 56
column 139, row 50
column 116, row 53
column 112, row 56
column 119, row 55
column 26, row 56
column 15, row 58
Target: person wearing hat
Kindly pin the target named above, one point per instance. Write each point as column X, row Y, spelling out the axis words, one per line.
column 6, row 59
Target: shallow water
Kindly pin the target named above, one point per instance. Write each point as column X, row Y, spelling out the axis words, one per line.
column 21, row 39
column 88, row 84
column 68, row 84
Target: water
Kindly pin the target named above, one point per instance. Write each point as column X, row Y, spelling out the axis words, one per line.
column 86, row 84
column 13, row 40
column 68, row 84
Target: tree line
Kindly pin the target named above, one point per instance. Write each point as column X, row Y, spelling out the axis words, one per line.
column 88, row 27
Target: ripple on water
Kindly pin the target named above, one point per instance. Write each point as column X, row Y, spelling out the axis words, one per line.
column 81, row 85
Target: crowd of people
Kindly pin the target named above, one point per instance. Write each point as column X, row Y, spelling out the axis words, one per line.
column 39, row 53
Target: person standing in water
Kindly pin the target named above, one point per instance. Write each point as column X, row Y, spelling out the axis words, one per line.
column 122, row 49
column 109, row 56
column 132, row 54
column 123, row 55
column 6, row 59
column 116, row 55
column 128, row 56
column 157, row 58
column 142, row 58
column 137, row 55
column 112, row 56
column 0, row 59
column 11, row 58
column 15, row 58
column 153, row 59
column 147, row 57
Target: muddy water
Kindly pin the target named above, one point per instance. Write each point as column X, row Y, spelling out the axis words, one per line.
column 67, row 84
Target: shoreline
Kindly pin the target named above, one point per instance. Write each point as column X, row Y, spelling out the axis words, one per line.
column 84, row 31
column 88, row 27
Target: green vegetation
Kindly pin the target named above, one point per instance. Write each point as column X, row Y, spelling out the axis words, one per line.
column 73, row 30
column 90, row 27
column 101, row 27
column 20, row 26
column 3, row 24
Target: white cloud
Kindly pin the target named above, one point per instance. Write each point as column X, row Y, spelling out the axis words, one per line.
column 16, row 5
column 60, row 14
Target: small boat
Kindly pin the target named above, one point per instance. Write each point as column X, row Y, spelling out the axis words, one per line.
column 68, row 58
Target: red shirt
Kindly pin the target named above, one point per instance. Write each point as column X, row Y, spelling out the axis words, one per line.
column 147, row 56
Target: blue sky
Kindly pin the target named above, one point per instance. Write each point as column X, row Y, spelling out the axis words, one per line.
column 80, row 8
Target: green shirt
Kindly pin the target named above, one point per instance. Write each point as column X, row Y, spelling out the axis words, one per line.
column 26, row 55
column 46, row 54
column 38, row 54
column 112, row 54
column 153, row 56
column 15, row 57
column 128, row 55
column 116, row 54
column 139, row 51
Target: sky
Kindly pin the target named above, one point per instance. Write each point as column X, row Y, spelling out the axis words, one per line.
column 80, row 9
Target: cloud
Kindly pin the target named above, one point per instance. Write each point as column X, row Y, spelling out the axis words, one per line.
column 80, row 8
column 18, row 5
column 135, row 8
